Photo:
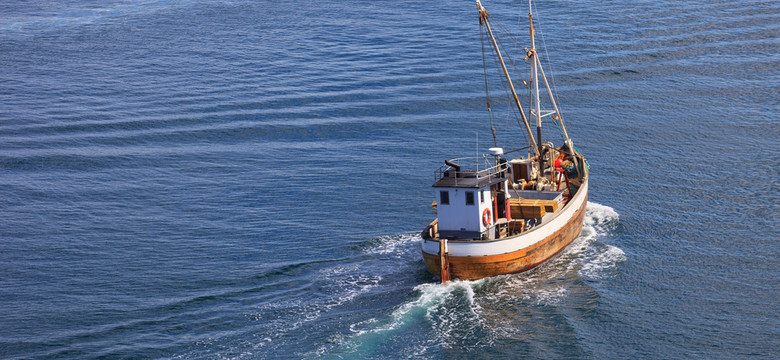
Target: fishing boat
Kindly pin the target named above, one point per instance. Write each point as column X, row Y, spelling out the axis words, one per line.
column 498, row 214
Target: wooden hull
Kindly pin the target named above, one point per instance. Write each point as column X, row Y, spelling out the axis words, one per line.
column 470, row 260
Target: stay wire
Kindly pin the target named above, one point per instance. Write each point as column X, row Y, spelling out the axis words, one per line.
column 487, row 88
column 508, row 95
column 502, row 29
column 552, row 75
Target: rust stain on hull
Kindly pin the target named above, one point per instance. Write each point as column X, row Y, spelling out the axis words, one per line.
column 477, row 267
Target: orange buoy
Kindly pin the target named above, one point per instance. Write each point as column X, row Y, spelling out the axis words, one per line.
column 486, row 217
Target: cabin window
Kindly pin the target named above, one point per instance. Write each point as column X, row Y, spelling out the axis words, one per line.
column 444, row 197
column 482, row 196
column 469, row 198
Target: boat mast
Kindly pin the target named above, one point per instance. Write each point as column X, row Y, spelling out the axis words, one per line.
column 535, row 81
column 536, row 70
column 483, row 19
column 555, row 107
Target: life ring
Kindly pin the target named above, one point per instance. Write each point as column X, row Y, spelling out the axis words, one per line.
column 486, row 217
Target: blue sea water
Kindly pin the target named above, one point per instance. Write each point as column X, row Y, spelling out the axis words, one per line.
column 247, row 179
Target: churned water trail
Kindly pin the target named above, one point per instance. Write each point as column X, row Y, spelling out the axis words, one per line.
column 467, row 311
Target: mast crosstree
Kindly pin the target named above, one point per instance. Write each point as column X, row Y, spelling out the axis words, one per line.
column 483, row 20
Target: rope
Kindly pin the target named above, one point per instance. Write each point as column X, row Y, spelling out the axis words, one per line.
column 498, row 28
column 549, row 65
column 560, row 129
column 487, row 91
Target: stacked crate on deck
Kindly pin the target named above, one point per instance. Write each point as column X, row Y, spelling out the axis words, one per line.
column 531, row 208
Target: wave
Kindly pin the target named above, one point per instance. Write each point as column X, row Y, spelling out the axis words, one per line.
column 598, row 259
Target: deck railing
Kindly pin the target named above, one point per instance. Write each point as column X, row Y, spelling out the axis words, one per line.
column 487, row 170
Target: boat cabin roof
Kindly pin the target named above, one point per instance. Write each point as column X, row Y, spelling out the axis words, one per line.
column 471, row 178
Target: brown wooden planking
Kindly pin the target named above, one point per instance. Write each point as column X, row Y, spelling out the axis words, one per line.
column 477, row 267
column 531, row 208
column 527, row 211
column 549, row 205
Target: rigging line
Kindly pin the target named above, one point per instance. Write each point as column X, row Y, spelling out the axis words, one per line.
column 483, row 17
column 508, row 33
column 512, row 61
column 560, row 129
column 515, row 150
column 506, row 91
column 530, row 76
column 558, row 121
column 505, row 32
column 549, row 63
column 499, row 28
column 487, row 91
column 505, row 87
column 552, row 91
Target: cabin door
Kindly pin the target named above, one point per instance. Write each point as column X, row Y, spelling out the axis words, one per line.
column 500, row 201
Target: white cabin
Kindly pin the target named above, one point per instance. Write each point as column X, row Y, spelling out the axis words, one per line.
column 478, row 204
column 466, row 201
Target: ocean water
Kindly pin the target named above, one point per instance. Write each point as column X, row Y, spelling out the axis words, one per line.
column 243, row 179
